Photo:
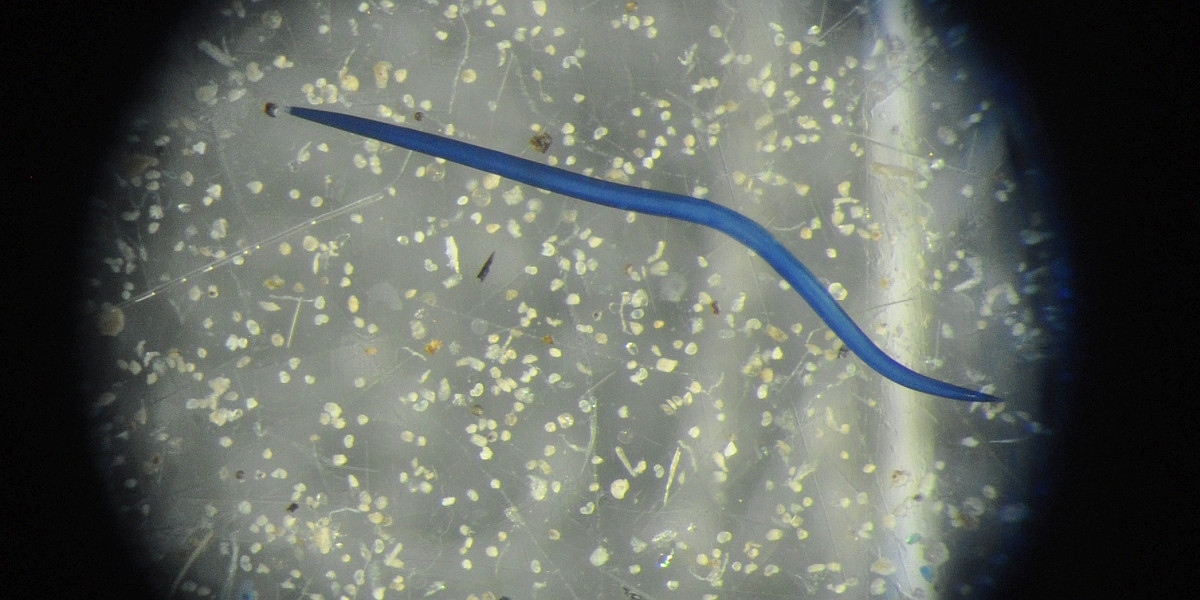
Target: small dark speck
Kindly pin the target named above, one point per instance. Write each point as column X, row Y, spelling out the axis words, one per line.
column 418, row 116
column 843, row 351
column 487, row 267
column 271, row 109
column 292, row 507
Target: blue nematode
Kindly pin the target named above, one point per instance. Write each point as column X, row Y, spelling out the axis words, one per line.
column 650, row 202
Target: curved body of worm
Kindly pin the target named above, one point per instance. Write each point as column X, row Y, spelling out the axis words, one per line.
column 657, row 203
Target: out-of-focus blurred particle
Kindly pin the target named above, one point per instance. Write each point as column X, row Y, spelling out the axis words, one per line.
column 883, row 566
column 111, row 320
column 382, row 70
column 272, row 19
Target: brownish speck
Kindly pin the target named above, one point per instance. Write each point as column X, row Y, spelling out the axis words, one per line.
column 541, row 142
column 111, row 320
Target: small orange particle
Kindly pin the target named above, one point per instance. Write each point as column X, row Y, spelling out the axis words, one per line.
column 371, row 350
column 549, row 339
column 433, row 346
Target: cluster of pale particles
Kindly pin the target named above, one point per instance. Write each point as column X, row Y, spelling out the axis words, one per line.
column 323, row 535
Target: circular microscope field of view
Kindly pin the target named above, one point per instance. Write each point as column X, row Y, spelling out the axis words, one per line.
column 330, row 367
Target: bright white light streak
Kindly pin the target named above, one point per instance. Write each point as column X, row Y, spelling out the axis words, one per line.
column 671, row 476
column 452, row 254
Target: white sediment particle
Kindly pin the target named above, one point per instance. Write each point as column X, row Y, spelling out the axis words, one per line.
column 207, row 93
column 452, row 254
column 838, row 291
column 538, row 488
column 618, row 488
column 215, row 53
column 633, row 470
column 666, row 365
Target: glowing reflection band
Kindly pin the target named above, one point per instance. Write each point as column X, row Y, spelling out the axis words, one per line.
column 656, row 203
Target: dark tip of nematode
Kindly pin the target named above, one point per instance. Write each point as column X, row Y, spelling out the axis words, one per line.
column 271, row 109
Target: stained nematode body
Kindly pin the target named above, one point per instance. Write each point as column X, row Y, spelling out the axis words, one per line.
column 650, row 202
